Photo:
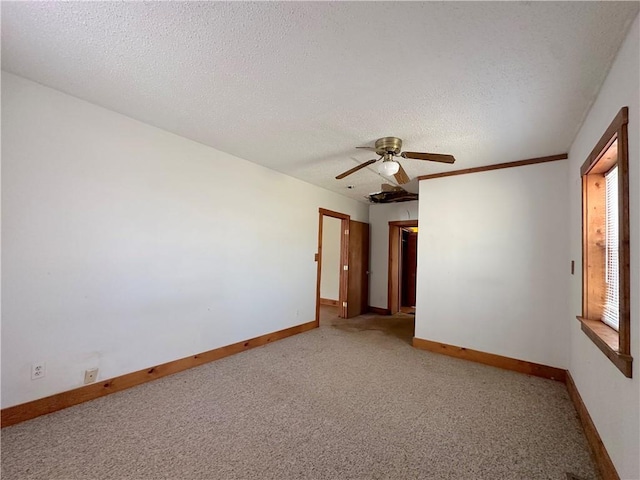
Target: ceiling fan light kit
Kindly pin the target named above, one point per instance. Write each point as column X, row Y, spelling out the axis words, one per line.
column 388, row 168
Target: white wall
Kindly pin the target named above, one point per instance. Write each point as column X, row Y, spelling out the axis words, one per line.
column 379, row 217
column 613, row 400
column 492, row 262
column 330, row 275
column 125, row 246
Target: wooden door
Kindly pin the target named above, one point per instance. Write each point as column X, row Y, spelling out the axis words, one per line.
column 358, row 272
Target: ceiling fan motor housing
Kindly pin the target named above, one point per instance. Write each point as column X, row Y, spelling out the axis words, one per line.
column 387, row 145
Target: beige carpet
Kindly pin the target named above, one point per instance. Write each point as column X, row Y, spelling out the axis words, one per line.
column 340, row 402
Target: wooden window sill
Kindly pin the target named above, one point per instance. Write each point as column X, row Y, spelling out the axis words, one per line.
column 607, row 340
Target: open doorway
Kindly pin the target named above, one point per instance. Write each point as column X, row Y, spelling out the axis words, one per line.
column 403, row 255
column 353, row 269
column 408, row 269
column 328, row 217
column 330, row 261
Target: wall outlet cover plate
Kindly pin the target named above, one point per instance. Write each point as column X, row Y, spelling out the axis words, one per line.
column 90, row 375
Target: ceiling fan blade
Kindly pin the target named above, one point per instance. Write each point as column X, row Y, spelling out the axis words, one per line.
column 356, row 168
column 433, row 157
column 401, row 176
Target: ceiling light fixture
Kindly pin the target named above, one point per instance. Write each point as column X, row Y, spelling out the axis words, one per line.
column 389, row 167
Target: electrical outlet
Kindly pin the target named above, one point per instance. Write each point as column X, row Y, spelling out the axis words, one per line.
column 38, row 370
column 90, row 375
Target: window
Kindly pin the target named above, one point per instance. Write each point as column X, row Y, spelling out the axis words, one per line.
column 605, row 245
column 610, row 311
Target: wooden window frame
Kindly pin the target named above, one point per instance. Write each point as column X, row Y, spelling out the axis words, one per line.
column 614, row 344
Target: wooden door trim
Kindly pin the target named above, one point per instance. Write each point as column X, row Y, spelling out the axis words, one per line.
column 331, row 213
column 393, row 278
column 344, row 257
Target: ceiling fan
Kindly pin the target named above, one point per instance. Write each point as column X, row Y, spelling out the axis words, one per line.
column 390, row 147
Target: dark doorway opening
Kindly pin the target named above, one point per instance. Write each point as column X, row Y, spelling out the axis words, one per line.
column 402, row 266
column 409, row 253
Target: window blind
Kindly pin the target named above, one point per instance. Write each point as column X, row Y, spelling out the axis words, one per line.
column 610, row 311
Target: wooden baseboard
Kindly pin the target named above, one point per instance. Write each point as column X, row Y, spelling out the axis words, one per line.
column 328, row 301
column 494, row 360
column 59, row 401
column 600, row 455
column 379, row 311
column 598, row 450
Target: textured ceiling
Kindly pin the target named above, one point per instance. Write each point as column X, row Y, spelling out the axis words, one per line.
column 296, row 86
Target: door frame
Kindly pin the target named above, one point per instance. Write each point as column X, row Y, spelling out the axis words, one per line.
column 344, row 260
column 394, row 277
